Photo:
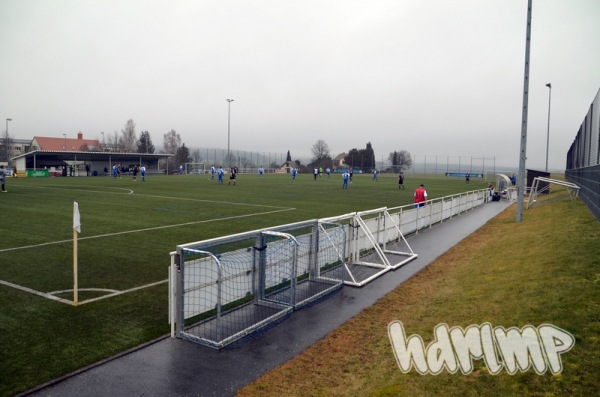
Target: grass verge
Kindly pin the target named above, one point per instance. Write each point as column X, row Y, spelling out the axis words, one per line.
column 545, row 269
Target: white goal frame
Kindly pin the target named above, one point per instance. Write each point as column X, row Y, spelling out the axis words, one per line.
column 190, row 167
column 375, row 244
column 227, row 288
column 540, row 191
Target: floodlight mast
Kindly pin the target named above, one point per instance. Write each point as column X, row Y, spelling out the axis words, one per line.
column 523, row 153
column 548, row 135
column 7, row 120
column 228, row 123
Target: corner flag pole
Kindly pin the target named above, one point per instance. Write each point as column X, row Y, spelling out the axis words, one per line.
column 76, row 229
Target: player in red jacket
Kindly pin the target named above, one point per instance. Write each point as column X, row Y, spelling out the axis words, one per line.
column 420, row 196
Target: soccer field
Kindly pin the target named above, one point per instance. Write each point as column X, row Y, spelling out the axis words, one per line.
column 128, row 229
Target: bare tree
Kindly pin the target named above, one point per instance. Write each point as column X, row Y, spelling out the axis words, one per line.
column 320, row 151
column 404, row 160
column 171, row 142
column 114, row 143
column 128, row 137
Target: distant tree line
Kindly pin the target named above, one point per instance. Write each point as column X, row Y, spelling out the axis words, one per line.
column 127, row 141
column 363, row 159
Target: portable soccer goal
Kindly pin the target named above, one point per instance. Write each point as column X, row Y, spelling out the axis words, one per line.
column 230, row 287
column 375, row 244
column 545, row 190
column 195, row 168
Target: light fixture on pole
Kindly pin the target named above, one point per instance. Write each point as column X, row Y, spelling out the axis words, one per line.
column 548, row 136
column 228, row 123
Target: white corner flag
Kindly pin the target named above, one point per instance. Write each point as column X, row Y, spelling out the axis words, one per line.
column 76, row 219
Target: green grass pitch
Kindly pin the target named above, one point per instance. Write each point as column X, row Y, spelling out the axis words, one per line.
column 128, row 230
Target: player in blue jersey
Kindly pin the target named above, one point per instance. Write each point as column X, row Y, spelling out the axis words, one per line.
column 220, row 174
column 346, row 177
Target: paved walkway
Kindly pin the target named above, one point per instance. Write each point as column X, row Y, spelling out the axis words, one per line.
column 174, row 367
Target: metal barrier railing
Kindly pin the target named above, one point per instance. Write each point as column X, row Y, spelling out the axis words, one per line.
column 411, row 219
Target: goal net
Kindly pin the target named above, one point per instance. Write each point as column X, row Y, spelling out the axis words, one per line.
column 195, row 168
column 545, row 190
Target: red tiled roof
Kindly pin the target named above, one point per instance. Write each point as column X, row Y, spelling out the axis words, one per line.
column 58, row 144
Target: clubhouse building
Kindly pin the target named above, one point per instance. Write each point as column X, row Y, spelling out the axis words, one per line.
column 69, row 156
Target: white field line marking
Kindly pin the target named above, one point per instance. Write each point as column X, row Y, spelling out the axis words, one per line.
column 64, row 291
column 148, row 229
column 209, row 201
column 51, row 295
column 32, row 291
column 123, row 292
column 130, row 192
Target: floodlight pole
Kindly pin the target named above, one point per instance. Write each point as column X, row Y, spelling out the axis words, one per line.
column 548, row 136
column 228, row 123
column 7, row 120
column 523, row 153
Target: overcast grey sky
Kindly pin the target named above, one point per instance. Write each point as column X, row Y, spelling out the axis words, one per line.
column 434, row 77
